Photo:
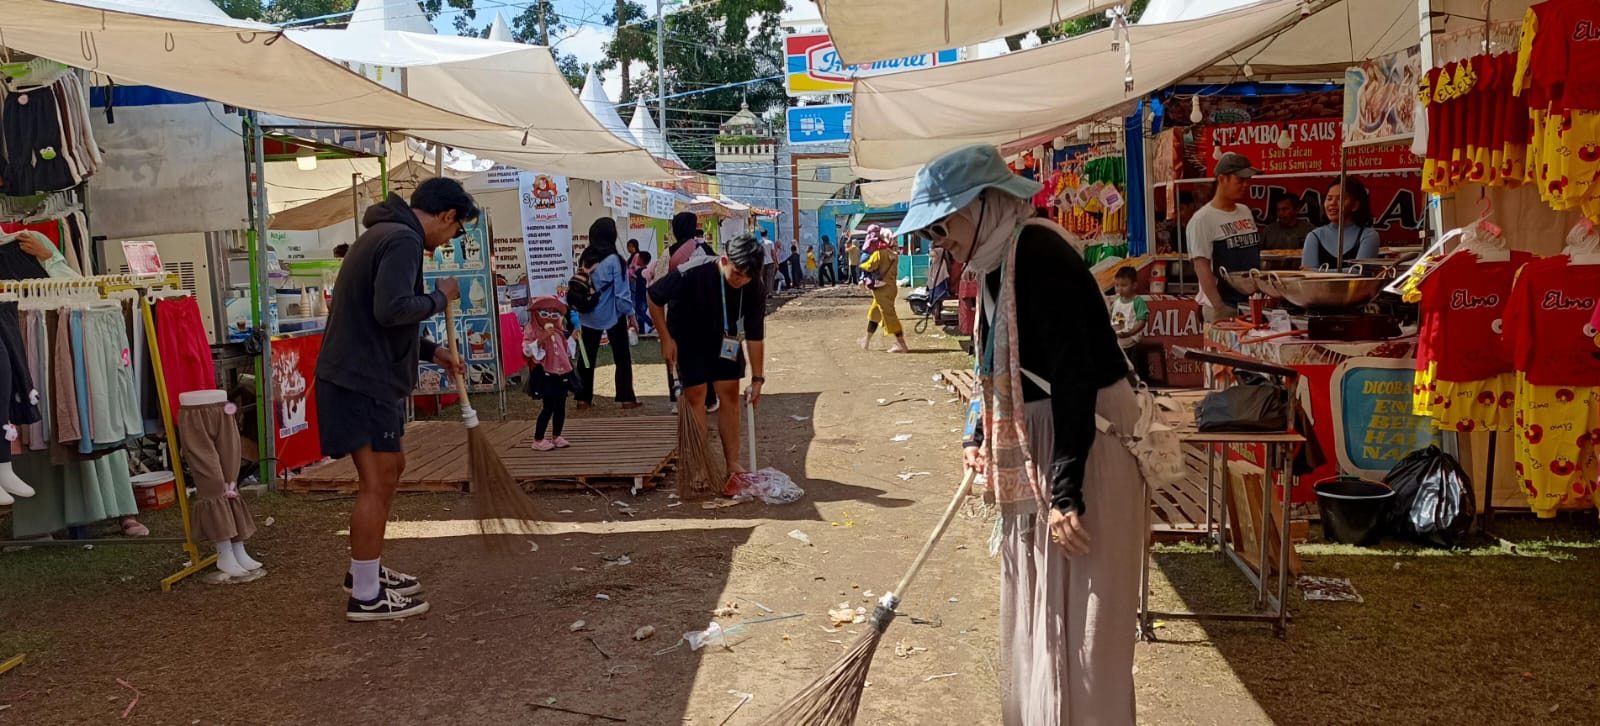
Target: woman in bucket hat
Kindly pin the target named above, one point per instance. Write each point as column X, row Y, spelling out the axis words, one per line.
column 1072, row 508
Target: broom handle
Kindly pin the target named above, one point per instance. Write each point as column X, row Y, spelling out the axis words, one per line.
column 460, row 380
column 750, row 427
column 938, row 532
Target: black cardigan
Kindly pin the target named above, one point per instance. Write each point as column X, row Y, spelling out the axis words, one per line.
column 1065, row 337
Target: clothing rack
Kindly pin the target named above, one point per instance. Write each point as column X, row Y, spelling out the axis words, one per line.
column 105, row 285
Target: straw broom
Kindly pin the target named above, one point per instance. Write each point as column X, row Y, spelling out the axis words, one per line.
column 701, row 471
column 833, row 698
column 501, row 505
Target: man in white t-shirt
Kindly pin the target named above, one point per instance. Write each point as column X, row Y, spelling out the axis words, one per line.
column 769, row 271
column 1223, row 235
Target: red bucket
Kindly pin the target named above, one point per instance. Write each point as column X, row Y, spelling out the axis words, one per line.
column 154, row 490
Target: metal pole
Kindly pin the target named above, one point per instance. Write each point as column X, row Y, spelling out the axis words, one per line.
column 355, row 202
column 661, row 76
column 269, row 467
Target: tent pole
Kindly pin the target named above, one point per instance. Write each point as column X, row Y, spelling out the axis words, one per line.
column 661, row 78
column 268, row 463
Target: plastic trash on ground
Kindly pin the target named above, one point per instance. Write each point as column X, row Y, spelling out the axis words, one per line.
column 700, row 639
column 769, row 485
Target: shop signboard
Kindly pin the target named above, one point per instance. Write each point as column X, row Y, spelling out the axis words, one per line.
column 1175, row 322
column 546, row 232
column 634, row 198
column 466, row 259
column 1374, row 426
column 1314, row 147
column 819, row 124
column 296, row 439
column 1380, row 98
column 813, row 66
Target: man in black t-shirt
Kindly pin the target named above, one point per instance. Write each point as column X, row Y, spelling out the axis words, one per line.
column 702, row 312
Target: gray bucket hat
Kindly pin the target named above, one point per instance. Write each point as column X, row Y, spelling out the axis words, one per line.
column 953, row 180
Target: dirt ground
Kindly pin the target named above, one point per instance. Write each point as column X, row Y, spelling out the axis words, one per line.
column 1497, row 634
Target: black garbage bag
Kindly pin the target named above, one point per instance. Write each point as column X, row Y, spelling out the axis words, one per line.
column 1254, row 403
column 1432, row 501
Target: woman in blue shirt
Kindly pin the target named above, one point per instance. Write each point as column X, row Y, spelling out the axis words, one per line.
column 612, row 317
column 1356, row 238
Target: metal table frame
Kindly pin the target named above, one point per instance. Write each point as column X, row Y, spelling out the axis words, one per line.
column 1269, row 607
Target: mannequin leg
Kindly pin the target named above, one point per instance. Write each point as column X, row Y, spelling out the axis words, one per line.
column 243, row 558
column 10, row 484
column 228, row 563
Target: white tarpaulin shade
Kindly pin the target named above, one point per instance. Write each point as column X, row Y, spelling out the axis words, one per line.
column 1340, row 34
column 872, row 30
column 518, row 85
column 1019, row 100
column 181, row 46
column 499, row 30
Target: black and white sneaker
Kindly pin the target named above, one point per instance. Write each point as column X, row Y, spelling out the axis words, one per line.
column 391, row 580
column 389, row 605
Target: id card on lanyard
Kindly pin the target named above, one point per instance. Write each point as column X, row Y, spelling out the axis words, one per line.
column 730, row 343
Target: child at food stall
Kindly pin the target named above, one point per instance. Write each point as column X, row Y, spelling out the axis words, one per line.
column 549, row 350
column 1129, row 313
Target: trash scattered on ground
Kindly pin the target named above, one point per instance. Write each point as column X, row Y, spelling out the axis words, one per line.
column 549, row 705
column 617, row 561
column 843, row 614
column 701, row 638
column 575, row 568
column 904, row 423
column 1328, row 589
column 136, row 694
column 270, row 521
column 801, row 418
column 801, row 537
column 533, row 546
column 719, row 504
column 726, row 611
column 577, row 625
column 565, row 511
column 901, row 650
column 763, row 608
column 602, row 596
column 941, row 676
column 908, row 476
column 744, row 698
column 645, row 632
column 769, row 485
column 955, row 600
column 899, row 438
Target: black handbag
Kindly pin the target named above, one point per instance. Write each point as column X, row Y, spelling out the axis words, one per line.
column 1254, row 405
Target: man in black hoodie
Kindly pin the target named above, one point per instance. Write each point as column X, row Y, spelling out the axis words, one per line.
column 368, row 366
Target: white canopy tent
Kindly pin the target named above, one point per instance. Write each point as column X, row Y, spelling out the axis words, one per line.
column 499, row 30
column 390, row 15
column 191, row 47
column 864, row 31
column 595, row 99
column 515, row 84
column 643, row 128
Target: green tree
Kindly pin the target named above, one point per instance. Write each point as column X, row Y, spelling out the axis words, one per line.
column 527, row 28
column 282, row 11
column 708, row 46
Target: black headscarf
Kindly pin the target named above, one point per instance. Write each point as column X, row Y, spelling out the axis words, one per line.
column 685, row 227
column 602, row 242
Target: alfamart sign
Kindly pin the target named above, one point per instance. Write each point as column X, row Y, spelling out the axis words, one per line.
column 813, row 66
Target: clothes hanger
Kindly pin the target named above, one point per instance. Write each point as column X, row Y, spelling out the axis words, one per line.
column 1484, row 238
column 1583, row 244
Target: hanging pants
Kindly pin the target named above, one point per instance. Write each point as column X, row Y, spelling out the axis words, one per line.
column 210, row 441
column 1557, row 428
column 883, row 310
column 186, row 363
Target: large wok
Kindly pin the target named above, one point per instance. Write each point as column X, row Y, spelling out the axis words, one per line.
column 1326, row 291
column 1245, row 282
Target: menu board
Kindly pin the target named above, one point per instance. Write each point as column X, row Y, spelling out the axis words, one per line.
column 465, row 258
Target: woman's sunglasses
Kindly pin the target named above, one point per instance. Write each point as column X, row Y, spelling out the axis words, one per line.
column 935, row 231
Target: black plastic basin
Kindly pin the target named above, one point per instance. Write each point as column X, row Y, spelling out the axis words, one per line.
column 1353, row 510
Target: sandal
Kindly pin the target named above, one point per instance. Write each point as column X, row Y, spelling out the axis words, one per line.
column 132, row 528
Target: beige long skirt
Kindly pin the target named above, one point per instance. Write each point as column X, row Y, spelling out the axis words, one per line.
column 1068, row 625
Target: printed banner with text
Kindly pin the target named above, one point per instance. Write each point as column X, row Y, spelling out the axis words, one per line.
column 1313, row 149
column 547, row 232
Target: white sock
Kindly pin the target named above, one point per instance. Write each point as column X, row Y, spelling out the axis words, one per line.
column 364, row 580
column 227, row 563
column 245, row 560
column 10, row 483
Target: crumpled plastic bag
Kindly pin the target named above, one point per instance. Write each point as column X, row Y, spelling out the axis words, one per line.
column 769, row 485
column 1433, row 502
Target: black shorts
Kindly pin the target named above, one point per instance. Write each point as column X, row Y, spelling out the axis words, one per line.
column 701, row 365
column 350, row 421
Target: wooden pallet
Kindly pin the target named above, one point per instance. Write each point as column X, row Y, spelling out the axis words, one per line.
column 959, row 382
column 1178, row 510
column 632, row 451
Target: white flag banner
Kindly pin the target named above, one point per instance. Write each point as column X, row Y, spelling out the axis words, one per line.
column 547, row 232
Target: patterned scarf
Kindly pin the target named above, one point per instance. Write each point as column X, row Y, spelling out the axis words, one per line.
column 1012, row 473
